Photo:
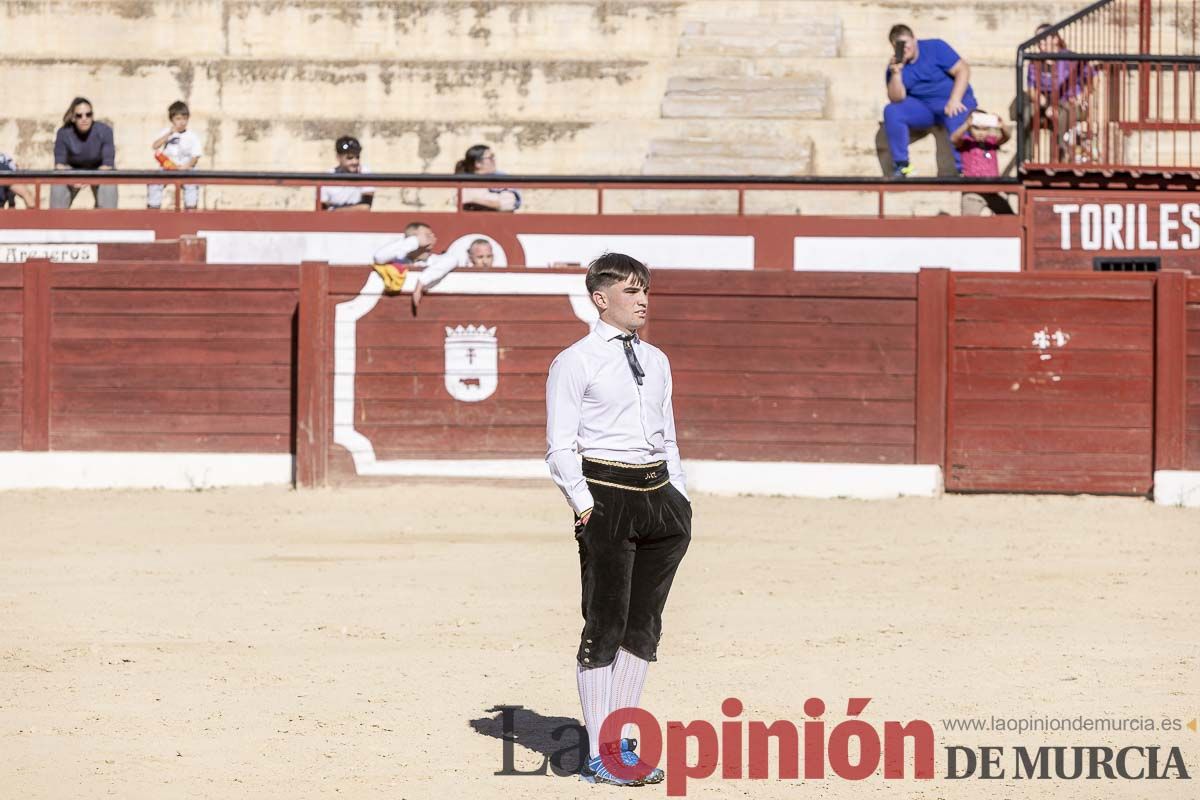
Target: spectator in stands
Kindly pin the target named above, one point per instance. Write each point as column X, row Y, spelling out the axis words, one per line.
column 415, row 249
column 928, row 85
column 978, row 139
column 176, row 148
column 480, row 254
column 10, row 192
column 480, row 160
column 1058, row 88
column 348, row 198
column 83, row 143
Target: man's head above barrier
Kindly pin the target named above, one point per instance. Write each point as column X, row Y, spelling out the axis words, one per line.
column 480, row 253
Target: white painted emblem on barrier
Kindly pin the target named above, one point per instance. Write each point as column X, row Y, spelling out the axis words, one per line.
column 472, row 363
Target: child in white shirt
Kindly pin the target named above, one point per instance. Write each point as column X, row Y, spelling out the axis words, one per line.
column 176, row 148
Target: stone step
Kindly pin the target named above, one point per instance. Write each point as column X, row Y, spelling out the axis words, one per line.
column 783, row 98
column 762, row 38
column 343, row 29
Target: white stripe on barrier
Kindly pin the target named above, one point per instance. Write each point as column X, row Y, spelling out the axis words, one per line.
column 88, row 470
column 1177, row 488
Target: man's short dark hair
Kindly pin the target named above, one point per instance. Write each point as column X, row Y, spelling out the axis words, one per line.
column 413, row 227
column 899, row 30
column 613, row 268
column 478, row 241
column 177, row 108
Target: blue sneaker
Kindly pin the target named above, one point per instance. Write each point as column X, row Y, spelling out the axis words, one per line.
column 596, row 772
column 902, row 171
column 630, row 759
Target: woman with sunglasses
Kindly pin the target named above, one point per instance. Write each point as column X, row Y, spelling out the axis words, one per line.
column 83, row 143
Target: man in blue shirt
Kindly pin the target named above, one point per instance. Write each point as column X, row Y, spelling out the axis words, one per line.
column 929, row 86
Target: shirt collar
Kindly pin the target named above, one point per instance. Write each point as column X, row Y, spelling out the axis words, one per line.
column 608, row 332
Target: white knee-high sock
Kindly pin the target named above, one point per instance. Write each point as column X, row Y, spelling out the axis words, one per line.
column 629, row 674
column 595, row 688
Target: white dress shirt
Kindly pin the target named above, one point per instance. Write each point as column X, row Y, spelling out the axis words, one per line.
column 339, row 196
column 436, row 265
column 595, row 408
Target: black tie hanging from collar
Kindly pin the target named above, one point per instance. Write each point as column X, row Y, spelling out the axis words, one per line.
column 631, row 357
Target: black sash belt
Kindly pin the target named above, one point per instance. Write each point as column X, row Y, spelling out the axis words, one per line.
column 635, row 477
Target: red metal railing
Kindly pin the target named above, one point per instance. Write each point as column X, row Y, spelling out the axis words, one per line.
column 1113, row 88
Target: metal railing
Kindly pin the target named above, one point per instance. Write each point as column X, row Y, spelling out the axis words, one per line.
column 875, row 190
column 1113, row 88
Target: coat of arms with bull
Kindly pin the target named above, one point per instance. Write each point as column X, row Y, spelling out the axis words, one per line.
column 471, row 362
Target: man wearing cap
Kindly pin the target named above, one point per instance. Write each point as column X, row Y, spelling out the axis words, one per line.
column 348, row 198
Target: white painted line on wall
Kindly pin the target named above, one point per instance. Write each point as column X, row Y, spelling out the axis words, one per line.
column 99, row 470
column 1177, row 488
column 658, row 251
column 292, row 247
column 906, row 253
column 58, row 235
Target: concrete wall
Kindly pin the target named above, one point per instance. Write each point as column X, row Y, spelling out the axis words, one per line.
column 580, row 86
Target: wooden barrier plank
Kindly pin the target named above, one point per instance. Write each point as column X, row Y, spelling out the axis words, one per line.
column 1030, row 439
column 1078, row 388
column 11, row 301
column 809, row 433
column 796, row 411
column 715, row 358
column 10, row 375
column 809, row 452
column 172, row 442
column 10, row 399
column 966, row 479
column 166, row 401
column 1039, row 312
column 1064, row 414
column 170, row 326
column 279, row 424
column 10, row 326
column 181, row 351
column 782, row 309
column 68, row 377
column 1170, row 376
column 202, row 301
column 11, row 277
column 698, row 383
column 1061, row 362
column 473, row 309
column 1192, row 460
column 1080, row 285
column 10, row 351
column 35, row 356
column 932, row 334
column 1016, row 335
column 313, row 329
column 175, row 276
column 1076, row 463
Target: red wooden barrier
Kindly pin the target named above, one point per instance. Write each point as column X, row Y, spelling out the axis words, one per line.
column 1192, row 391
column 1066, row 382
column 12, row 332
column 313, row 396
column 1051, row 383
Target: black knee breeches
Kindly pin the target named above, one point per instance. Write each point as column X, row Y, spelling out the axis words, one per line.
column 629, row 550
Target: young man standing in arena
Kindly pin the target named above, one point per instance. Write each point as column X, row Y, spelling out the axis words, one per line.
column 608, row 399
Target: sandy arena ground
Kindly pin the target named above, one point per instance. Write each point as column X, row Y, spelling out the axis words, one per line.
column 350, row 643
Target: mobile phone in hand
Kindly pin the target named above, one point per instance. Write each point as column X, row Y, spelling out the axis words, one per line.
column 899, row 52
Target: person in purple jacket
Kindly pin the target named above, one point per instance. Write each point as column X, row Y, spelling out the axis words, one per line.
column 83, row 143
column 927, row 86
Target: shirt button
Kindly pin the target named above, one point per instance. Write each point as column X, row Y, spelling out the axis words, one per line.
column 589, row 641
column 587, row 661
column 587, row 650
